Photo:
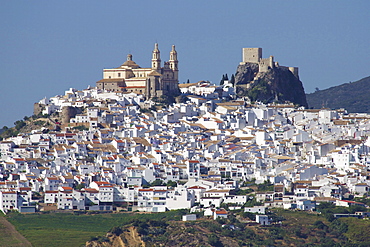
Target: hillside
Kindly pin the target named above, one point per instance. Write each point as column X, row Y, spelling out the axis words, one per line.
column 10, row 236
column 26, row 125
column 354, row 97
column 290, row 229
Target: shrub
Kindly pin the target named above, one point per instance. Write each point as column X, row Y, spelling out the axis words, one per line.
column 80, row 127
column 320, row 225
column 213, row 240
column 116, row 231
column 39, row 122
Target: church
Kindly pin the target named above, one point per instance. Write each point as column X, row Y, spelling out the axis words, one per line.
column 152, row 82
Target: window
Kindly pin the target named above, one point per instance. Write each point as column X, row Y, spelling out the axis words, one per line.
column 119, row 74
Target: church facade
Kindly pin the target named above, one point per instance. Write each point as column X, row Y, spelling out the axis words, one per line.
column 152, row 82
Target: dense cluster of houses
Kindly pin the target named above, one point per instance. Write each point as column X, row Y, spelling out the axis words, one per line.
column 208, row 146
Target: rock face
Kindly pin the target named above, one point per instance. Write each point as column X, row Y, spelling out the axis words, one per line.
column 277, row 84
column 128, row 238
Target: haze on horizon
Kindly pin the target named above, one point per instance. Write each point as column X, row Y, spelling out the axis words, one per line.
column 48, row 47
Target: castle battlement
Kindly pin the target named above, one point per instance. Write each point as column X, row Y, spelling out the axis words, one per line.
column 254, row 55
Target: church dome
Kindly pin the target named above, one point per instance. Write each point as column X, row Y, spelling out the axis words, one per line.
column 130, row 63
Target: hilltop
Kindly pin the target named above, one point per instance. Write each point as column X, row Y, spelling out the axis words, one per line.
column 352, row 96
column 265, row 80
column 277, row 85
column 40, row 121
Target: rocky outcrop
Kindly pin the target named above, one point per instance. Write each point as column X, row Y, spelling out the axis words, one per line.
column 245, row 73
column 127, row 238
column 277, row 84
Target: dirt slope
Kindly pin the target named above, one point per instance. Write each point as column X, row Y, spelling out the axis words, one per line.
column 10, row 237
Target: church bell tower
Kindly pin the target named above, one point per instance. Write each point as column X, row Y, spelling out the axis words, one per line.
column 174, row 63
column 156, row 58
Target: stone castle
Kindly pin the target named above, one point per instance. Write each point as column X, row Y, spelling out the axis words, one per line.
column 151, row 82
column 254, row 55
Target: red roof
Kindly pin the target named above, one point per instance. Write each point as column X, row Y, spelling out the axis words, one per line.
column 91, row 190
column 18, row 159
column 352, row 202
column 221, row 211
column 67, row 188
column 197, row 187
column 51, row 191
column 145, row 189
column 103, row 184
column 25, row 188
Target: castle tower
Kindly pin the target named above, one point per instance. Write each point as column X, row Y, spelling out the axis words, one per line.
column 156, row 58
column 174, row 63
column 252, row 55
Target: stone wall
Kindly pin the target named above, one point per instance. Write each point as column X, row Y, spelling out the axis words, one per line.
column 69, row 112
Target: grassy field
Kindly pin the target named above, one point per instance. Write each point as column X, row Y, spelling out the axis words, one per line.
column 63, row 229
column 9, row 236
column 296, row 229
column 66, row 229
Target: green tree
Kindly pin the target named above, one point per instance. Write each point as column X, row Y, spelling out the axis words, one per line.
column 80, row 127
column 116, row 230
column 171, row 183
column 213, row 240
column 222, row 80
column 157, row 182
column 266, row 186
column 19, row 124
column 320, row 225
column 80, row 186
column 232, row 80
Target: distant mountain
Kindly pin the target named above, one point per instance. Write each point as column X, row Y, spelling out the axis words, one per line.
column 353, row 96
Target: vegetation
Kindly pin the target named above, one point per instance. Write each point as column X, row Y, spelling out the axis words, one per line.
column 223, row 79
column 80, row 186
column 232, row 80
column 146, row 110
column 277, row 85
column 81, row 127
column 289, row 228
column 265, row 186
column 352, row 96
column 259, row 91
column 243, row 192
column 25, row 125
column 67, row 229
column 159, row 182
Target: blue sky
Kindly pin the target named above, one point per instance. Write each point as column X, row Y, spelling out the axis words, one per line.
column 47, row 47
